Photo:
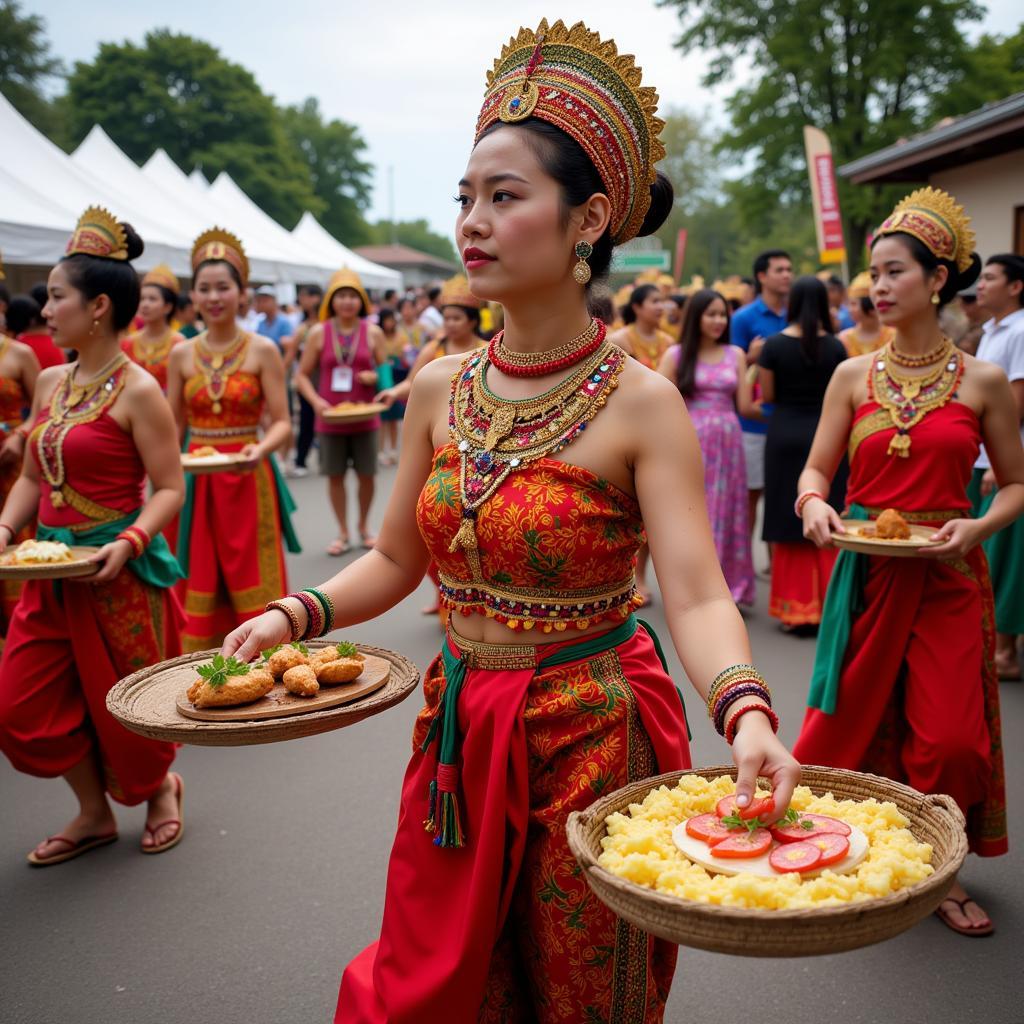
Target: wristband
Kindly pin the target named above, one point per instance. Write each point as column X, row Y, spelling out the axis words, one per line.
column 134, row 542
column 314, row 614
column 326, row 605
column 730, row 731
column 750, row 689
column 292, row 617
column 730, row 675
column 802, row 498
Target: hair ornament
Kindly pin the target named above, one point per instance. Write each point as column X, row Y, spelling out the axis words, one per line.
column 219, row 244
column 936, row 220
column 98, row 233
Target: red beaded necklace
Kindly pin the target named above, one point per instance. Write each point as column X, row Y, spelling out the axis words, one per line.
column 539, row 364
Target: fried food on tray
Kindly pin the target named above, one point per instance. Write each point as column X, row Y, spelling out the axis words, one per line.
column 890, row 525
column 301, row 680
column 285, row 658
column 339, row 670
column 40, row 552
column 204, row 453
column 226, row 682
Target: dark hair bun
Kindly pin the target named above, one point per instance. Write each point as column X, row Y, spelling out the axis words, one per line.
column 959, row 280
column 135, row 244
column 663, row 195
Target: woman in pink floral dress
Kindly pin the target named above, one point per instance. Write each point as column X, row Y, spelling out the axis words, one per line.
column 710, row 375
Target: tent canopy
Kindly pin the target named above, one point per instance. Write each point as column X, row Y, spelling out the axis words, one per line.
column 312, row 236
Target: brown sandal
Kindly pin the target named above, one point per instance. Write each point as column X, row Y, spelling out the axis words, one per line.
column 977, row 930
column 75, row 849
column 179, row 792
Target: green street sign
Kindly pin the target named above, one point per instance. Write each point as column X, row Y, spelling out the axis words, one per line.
column 658, row 259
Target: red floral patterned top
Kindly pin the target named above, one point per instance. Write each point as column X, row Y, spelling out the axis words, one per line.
column 557, row 546
column 238, row 420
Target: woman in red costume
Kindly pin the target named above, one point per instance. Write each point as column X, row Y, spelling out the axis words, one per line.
column 100, row 429
column 219, row 383
column 151, row 346
column 904, row 680
column 19, row 370
column 343, row 353
column 525, row 475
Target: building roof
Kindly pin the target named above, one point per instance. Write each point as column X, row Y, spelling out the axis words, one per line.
column 403, row 256
column 994, row 129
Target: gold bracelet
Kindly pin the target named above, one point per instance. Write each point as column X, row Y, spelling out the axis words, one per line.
column 292, row 617
column 727, row 676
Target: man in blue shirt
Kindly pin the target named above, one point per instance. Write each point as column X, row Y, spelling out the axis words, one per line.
column 765, row 316
column 272, row 323
column 837, row 303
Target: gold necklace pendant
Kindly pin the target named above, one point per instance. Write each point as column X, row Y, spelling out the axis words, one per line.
column 217, row 361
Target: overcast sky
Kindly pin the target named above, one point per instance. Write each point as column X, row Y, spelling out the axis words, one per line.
column 408, row 73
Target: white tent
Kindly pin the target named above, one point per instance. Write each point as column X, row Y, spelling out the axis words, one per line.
column 315, row 238
column 198, row 179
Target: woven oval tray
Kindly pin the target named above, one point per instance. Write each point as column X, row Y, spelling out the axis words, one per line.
column 146, row 702
column 226, row 462
column 912, row 547
column 79, row 567
column 740, row 931
column 353, row 414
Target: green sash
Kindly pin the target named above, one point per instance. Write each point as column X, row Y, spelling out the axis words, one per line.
column 285, row 503
column 843, row 600
column 155, row 566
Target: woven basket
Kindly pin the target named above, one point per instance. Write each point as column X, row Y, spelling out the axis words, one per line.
column 934, row 819
column 145, row 702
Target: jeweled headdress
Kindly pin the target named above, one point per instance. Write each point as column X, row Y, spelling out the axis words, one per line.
column 937, row 220
column 343, row 278
column 218, row 244
column 455, row 292
column 572, row 79
column 163, row 276
column 98, row 233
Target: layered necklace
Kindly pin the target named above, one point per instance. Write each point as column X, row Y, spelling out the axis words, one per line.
column 154, row 354
column 647, row 351
column 908, row 398
column 216, row 367
column 73, row 404
column 498, row 436
column 539, row 364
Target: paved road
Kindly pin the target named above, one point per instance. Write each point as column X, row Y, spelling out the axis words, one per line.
column 280, row 881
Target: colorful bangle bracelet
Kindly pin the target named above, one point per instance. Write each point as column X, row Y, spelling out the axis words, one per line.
column 292, row 617
column 746, row 690
column 731, row 692
column 326, row 605
column 737, row 673
column 802, row 498
column 730, row 730
column 314, row 614
column 133, row 540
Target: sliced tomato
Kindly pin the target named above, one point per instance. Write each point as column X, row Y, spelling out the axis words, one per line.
column 795, row 857
column 709, row 828
column 833, row 847
column 808, row 826
column 748, row 844
column 759, row 807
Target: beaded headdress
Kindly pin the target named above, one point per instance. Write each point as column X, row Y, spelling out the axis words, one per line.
column 936, row 219
column 343, row 278
column 575, row 81
column 163, row 276
column 98, row 233
column 218, row 244
column 455, row 292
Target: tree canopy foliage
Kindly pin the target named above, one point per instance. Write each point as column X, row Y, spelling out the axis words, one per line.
column 26, row 65
column 417, row 234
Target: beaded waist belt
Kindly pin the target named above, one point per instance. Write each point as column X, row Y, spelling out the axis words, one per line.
column 222, row 432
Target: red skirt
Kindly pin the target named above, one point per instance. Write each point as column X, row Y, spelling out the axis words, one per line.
column 800, row 575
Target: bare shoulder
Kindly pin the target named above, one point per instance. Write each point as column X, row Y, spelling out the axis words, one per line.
column 141, row 386
column 853, row 369
column 438, row 374
column 50, row 377
column 644, row 392
column 986, row 374
column 181, row 351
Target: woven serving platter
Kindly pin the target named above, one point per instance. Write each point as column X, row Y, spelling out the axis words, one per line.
column 854, row 540
column 225, row 462
column 147, row 702
column 353, row 413
column 78, row 567
column 934, row 819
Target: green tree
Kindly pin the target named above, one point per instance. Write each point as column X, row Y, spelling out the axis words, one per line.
column 26, row 65
column 180, row 93
column 992, row 70
column 333, row 151
column 861, row 70
column 417, row 234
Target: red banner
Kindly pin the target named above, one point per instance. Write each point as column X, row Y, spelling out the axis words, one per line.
column 831, row 220
column 680, row 254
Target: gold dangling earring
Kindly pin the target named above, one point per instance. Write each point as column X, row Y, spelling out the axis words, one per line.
column 92, row 330
column 935, row 298
column 581, row 271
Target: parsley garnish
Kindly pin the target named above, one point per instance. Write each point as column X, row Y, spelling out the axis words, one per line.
column 735, row 821
column 220, row 669
column 791, row 817
column 346, row 650
column 270, row 652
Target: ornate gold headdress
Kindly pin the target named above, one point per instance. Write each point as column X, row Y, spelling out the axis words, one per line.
column 163, row 276
column 218, row 244
column 572, row 79
column 343, row 278
column 455, row 292
column 860, row 286
column 98, row 233
column 936, row 219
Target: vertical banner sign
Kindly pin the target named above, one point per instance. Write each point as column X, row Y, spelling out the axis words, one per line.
column 828, row 222
column 680, row 255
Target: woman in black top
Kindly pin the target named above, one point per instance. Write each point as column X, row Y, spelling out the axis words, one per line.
column 794, row 369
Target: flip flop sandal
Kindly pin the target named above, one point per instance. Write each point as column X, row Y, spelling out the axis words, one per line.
column 76, row 849
column 978, row 931
column 179, row 784
column 368, row 540
column 337, row 548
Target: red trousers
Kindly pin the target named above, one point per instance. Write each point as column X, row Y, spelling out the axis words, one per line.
column 918, row 696
column 67, row 645
column 505, row 928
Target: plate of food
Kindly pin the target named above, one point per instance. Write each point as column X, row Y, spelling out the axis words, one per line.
column 47, row 560
column 209, row 460
column 291, row 691
column 856, row 860
column 353, row 412
column 890, row 534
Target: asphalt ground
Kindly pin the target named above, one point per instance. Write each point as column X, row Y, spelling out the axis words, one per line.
column 279, row 880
